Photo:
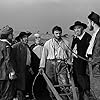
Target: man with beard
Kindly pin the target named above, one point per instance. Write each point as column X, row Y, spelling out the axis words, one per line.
column 93, row 52
column 22, row 59
column 79, row 46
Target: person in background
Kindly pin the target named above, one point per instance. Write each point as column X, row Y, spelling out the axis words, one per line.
column 39, row 87
column 37, row 52
column 37, row 41
column 22, row 58
column 7, row 89
column 79, row 46
column 55, row 50
column 93, row 53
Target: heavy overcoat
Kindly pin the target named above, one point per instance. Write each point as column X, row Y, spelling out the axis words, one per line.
column 20, row 56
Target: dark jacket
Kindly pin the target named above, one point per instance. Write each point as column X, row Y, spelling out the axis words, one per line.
column 95, row 67
column 20, row 56
column 5, row 60
column 82, row 46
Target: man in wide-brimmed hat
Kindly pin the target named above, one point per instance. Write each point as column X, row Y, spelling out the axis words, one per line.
column 22, row 59
column 78, row 23
column 22, row 35
column 79, row 46
column 93, row 52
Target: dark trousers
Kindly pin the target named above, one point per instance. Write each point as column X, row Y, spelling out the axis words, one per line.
column 7, row 89
column 83, row 83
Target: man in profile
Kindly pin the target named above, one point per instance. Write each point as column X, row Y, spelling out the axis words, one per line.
column 93, row 53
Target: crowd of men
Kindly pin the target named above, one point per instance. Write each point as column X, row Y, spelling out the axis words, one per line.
column 20, row 63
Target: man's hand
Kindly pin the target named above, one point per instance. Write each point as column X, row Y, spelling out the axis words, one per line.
column 69, row 62
column 31, row 71
column 12, row 75
column 41, row 70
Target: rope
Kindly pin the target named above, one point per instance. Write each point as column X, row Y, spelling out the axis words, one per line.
column 33, row 84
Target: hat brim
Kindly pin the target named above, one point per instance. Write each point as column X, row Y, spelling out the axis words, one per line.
column 23, row 35
column 82, row 24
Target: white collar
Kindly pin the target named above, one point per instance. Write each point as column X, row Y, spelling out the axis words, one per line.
column 4, row 40
column 80, row 37
column 96, row 32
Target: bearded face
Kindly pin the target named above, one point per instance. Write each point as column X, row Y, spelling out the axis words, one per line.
column 90, row 26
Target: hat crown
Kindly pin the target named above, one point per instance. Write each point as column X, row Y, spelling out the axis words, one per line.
column 77, row 23
column 95, row 18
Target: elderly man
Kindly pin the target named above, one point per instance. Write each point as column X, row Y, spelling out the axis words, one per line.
column 54, row 52
column 93, row 52
column 36, row 48
column 80, row 44
column 6, row 68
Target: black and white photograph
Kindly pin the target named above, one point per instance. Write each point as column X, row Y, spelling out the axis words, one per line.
column 49, row 49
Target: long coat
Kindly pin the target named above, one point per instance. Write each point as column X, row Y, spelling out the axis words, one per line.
column 20, row 56
column 5, row 61
column 95, row 67
column 6, row 85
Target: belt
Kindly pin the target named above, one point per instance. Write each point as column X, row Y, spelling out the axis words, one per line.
column 56, row 60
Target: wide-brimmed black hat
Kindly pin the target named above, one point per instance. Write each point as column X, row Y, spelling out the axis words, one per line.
column 95, row 18
column 78, row 23
column 22, row 34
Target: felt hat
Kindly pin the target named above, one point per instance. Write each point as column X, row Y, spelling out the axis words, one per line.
column 78, row 23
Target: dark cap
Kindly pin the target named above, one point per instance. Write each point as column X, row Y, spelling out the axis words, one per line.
column 95, row 18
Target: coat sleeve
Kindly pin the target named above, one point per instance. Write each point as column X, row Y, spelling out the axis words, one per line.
column 96, row 51
column 8, row 60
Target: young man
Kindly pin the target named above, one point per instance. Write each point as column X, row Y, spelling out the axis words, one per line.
column 80, row 44
column 93, row 52
column 55, row 50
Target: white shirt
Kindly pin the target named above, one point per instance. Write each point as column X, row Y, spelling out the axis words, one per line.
column 80, row 37
column 53, row 49
column 90, row 48
column 28, row 61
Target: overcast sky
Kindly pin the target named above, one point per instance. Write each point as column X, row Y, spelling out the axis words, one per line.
column 42, row 15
